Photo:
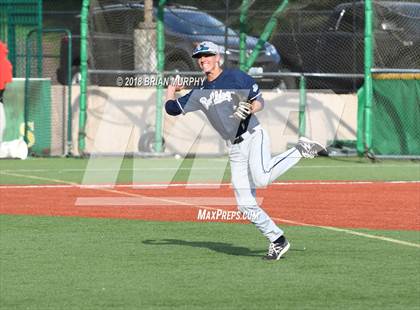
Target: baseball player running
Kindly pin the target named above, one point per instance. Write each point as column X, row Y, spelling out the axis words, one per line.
column 230, row 98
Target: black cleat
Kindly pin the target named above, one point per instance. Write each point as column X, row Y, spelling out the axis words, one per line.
column 277, row 250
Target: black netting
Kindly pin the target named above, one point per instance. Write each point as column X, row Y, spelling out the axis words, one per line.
column 46, row 99
column 397, row 35
column 310, row 37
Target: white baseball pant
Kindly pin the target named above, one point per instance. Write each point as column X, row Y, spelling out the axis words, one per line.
column 251, row 167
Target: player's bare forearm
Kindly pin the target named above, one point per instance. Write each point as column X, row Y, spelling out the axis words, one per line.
column 173, row 88
column 170, row 92
column 256, row 106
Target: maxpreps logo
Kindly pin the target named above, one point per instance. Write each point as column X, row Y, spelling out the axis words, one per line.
column 226, row 215
column 216, row 97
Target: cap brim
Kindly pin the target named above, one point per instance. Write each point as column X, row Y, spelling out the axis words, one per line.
column 199, row 54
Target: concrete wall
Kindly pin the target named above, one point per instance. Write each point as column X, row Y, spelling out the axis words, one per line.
column 117, row 117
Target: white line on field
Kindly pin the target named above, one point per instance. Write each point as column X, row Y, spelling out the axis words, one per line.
column 382, row 166
column 105, row 189
column 351, row 232
column 347, row 231
column 200, row 185
column 156, row 201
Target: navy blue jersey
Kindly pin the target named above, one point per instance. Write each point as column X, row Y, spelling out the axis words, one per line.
column 218, row 100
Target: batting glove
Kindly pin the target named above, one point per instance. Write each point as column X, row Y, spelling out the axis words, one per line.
column 243, row 110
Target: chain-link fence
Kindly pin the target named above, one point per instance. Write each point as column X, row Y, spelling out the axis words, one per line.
column 17, row 19
column 326, row 37
column 114, row 28
column 322, row 40
column 310, row 37
column 46, row 101
column 395, row 127
column 36, row 58
column 397, row 34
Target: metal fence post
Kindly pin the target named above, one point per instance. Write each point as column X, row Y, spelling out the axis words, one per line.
column 269, row 27
column 69, row 85
column 26, row 95
column 39, row 39
column 83, row 73
column 242, row 34
column 302, row 105
column 368, row 87
column 160, row 38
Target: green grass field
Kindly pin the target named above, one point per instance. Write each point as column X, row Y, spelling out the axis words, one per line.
column 79, row 263
column 68, row 263
column 44, row 170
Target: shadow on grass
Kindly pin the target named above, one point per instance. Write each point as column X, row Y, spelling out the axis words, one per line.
column 220, row 247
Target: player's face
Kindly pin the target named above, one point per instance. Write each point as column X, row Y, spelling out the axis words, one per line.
column 208, row 63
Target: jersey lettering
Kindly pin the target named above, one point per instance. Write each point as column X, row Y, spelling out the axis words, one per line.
column 216, row 97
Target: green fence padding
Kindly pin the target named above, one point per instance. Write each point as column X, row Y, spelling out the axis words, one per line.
column 39, row 113
column 39, row 108
column 14, row 110
column 396, row 117
column 360, row 145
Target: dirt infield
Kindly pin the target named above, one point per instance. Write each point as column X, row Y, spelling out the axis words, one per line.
column 372, row 205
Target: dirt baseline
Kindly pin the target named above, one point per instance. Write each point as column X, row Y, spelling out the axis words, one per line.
column 377, row 205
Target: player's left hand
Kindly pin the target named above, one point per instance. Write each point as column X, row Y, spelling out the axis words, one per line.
column 243, row 110
column 177, row 84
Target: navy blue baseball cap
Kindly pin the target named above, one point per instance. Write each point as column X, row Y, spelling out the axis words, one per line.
column 205, row 48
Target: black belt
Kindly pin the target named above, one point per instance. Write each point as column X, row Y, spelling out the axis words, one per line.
column 243, row 136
